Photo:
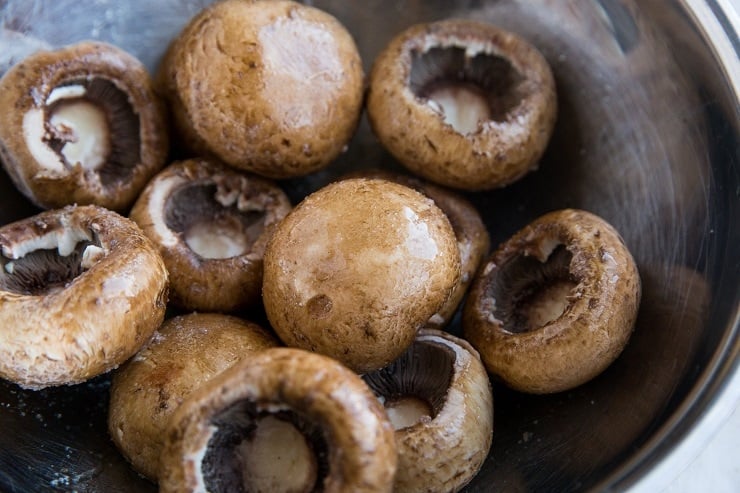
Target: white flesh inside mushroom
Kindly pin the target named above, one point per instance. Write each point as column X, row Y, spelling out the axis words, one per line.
column 277, row 458
column 217, row 239
column 407, row 411
column 84, row 127
column 548, row 304
column 462, row 106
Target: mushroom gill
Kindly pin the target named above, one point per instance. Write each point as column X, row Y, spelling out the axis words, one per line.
column 466, row 90
column 530, row 293
column 253, row 449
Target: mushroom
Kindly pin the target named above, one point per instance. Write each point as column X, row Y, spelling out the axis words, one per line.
column 283, row 420
column 81, row 125
column 211, row 224
column 439, row 400
column 555, row 304
column 462, row 103
column 81, row 290
column 357, row 268
column 473, row 239
column 185, row 352
column 279, row 87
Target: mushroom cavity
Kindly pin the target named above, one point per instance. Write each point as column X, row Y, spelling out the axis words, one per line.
column 555, row 304
column 283, row 420
column 83, row 125
column 211, row 224
column 81, row 290
column 462, row 103
column 438, row 397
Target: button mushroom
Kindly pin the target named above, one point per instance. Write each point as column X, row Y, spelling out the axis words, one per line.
column 462, row 103
column 555, row 304
column 283, row 420
column 81, row 125
column 439, row 400
column 357, row 268
column 473, row 239
column 185, row 353
column 279, row 87
column 81, row 290
column 211, row 224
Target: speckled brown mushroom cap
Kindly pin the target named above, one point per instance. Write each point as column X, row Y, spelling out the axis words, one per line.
column 555, row 304
column 444, row 450
column 486, row 70
column 350, row 435
column 81, row 290
column 41, row 119
column 473, row 239
column 211, row 224
column 275, row 88
column 185, row 352
column 357, row 268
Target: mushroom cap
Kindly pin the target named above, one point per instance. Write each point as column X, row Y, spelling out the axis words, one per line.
column 185, row 352
column 357, row 268
column 593, row 326
column 98, row 319
column 445, row 451
column 186, row 192
column 472, row 236
column 279, row 91
column 505, row 146
column 361, row 452
column 25, row 93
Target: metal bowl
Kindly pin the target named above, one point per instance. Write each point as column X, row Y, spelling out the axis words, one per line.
column 647, row 137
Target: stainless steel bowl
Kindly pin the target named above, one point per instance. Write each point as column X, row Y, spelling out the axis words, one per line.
column 647, row 137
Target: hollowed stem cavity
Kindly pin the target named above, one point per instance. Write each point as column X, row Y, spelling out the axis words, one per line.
column 210, row 228
column 414, row 387
column 255, row 450
column 49, row 263
column 466, row 90
column 530, row 294
column 90, row 123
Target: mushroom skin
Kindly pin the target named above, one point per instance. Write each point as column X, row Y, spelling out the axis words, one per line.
column 555, row 304
column 433, row 75
column 360, row 451
column 472, row 236
column 32, row 144
column 444, row 451
column 357, row 268
column 279, row 91
column 86, row 323
column 199, row 192
column 185, row 352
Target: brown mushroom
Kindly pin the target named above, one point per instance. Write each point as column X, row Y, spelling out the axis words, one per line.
column 462, row 103
column 439, row 400
column 279, row 86
column 555, row 304
column 185, row 352
column 357, row 268
column 284, row 420
column 81, row 125
column 211, row 224
column 473, row 239
column 81, row 290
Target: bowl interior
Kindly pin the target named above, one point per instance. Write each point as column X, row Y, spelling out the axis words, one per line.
column 647, row 137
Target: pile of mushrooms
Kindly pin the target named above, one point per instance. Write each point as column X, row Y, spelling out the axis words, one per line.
column 360, row 280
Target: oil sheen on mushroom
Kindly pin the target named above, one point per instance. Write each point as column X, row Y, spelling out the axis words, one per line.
column 439, row 399
column 462, row 103
column 555, row 304
column 81, row 125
